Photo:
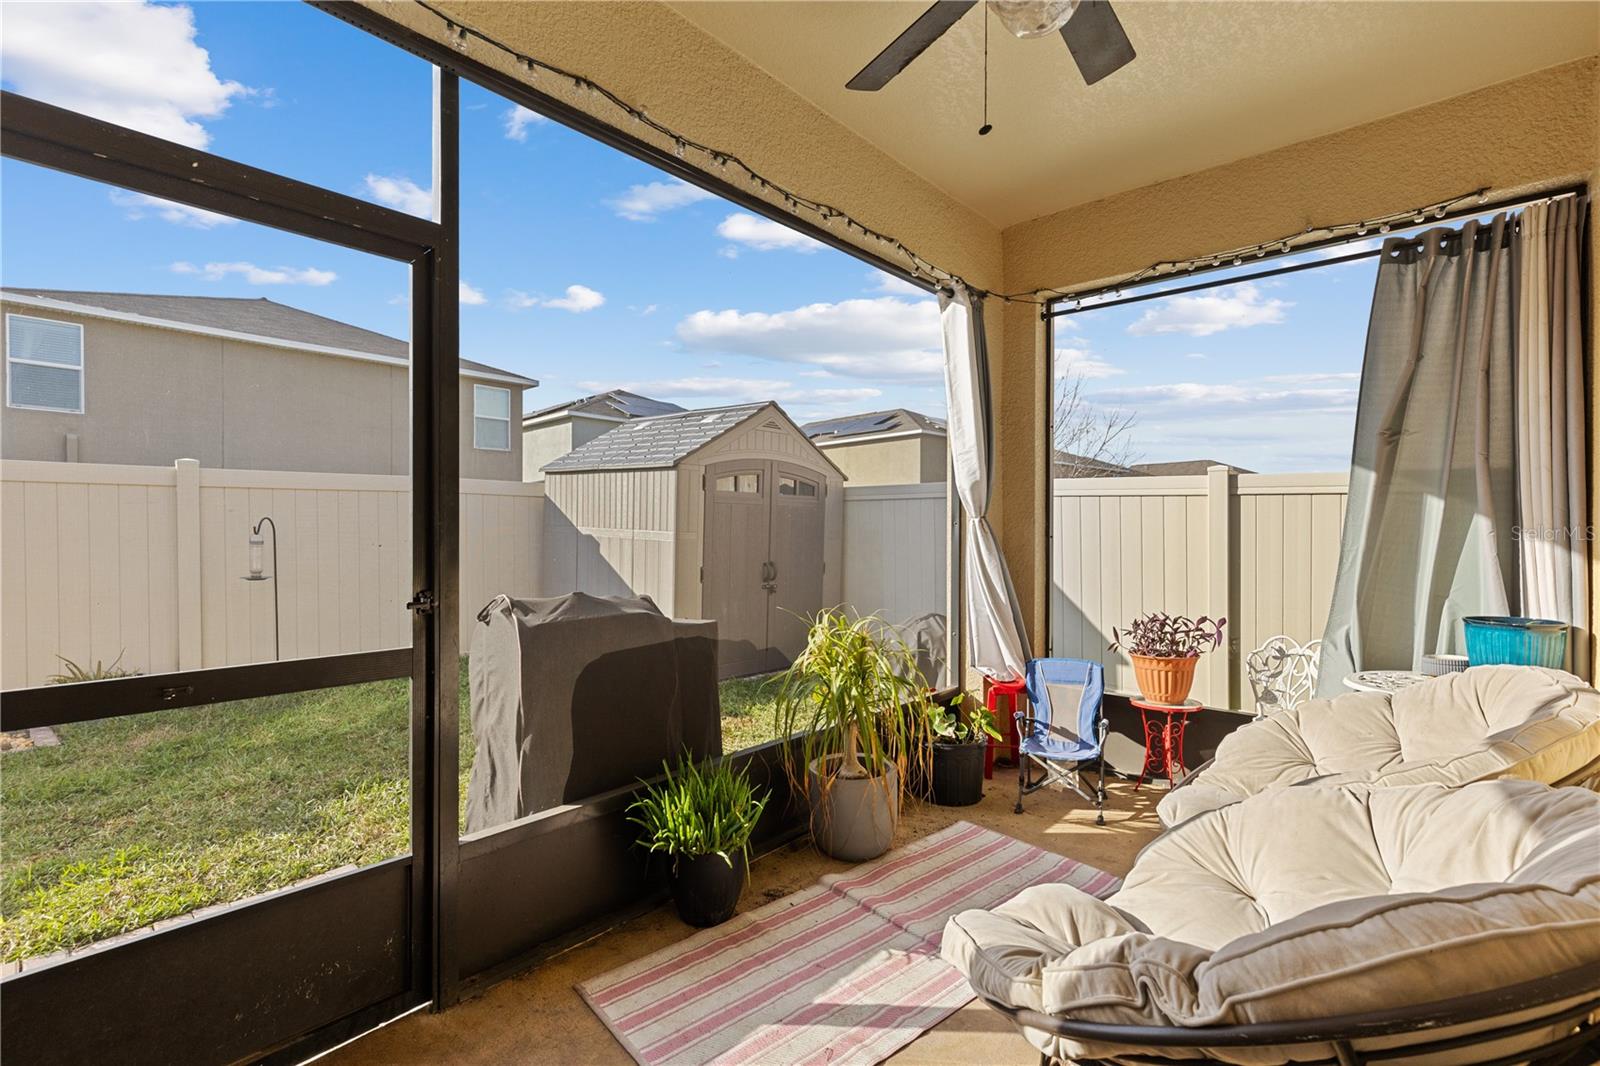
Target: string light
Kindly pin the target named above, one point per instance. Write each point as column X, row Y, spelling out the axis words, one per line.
column 915, row 264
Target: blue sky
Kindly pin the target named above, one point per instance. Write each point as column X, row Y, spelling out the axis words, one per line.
column 588, row 270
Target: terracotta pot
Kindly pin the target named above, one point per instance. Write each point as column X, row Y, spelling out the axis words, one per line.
column 1164, row 680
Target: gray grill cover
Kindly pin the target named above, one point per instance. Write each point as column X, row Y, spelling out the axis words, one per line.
column 576, row 695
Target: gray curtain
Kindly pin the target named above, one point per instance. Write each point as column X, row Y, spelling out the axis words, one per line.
column 996, row 641
column 1552, row 458
column 1433, row 481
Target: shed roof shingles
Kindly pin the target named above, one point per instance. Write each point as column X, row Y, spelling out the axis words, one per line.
column 654, row 443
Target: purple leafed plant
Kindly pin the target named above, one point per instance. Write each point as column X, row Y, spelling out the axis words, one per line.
column 1168, row 636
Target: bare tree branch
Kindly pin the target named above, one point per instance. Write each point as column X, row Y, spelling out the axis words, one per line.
column 1089, row 441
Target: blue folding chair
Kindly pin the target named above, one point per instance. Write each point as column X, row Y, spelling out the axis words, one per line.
column 1066, row 729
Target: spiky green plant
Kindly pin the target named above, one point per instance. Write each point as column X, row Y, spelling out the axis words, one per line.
column 855, row 697
column 698, row 810
column 71, row 673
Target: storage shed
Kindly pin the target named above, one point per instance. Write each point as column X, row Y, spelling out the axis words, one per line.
column 728, row 513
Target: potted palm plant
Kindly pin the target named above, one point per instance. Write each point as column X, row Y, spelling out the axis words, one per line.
column 1165, row 649
column 854, row 696
column 702, row 818
column 959, row 738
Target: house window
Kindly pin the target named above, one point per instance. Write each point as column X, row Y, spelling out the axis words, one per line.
column 491, row 418
column 44, row 364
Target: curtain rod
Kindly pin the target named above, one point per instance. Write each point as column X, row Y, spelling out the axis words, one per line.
column 1052, row 310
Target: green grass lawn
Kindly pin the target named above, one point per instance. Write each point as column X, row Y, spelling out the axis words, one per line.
column 138, row 819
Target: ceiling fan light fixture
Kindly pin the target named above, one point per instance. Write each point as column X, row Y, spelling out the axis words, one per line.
column 1033, row 18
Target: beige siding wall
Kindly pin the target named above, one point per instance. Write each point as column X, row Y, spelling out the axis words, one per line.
column 542, row 444
column 611, row 533
column 935, row 459
column 1259, row 549
column 98, row 561
column 879, row 462
column 898, row 461
column 153, row 396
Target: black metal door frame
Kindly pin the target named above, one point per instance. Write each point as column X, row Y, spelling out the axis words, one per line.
column 69, row 1011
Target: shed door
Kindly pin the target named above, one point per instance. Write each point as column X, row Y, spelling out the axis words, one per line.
column 763, row 561
column 797, row 502
column 738, row 534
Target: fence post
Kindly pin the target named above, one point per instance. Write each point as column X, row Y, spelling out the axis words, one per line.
column 1219, row 584
column 190, row 651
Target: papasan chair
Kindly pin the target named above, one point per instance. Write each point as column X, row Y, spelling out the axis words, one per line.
column 1351, row 924
column 1486, row 722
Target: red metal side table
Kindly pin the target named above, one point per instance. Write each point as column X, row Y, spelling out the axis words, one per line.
column 1015, row 691
column 1163, row 738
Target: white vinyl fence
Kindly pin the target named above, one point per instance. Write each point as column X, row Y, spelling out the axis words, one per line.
column 100, row 561
column 894, row 550
column 1259, row 549
column 147, row 564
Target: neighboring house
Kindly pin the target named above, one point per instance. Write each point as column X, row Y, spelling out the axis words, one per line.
column 550, row 433
column 1184, row 467
column 727, row 513
column 897, row 447
column 101, row 377
column 1068, row 464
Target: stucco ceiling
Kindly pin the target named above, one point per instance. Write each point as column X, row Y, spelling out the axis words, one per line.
column 1213, row 82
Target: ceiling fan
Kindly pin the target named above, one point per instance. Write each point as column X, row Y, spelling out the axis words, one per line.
column 1091, row 29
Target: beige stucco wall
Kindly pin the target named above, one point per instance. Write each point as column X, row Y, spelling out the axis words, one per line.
column 152, row 396
column 898, row 461
column 1537, row 132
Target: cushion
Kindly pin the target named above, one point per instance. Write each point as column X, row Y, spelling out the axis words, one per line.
column 1482, row 723
column 1302, row 904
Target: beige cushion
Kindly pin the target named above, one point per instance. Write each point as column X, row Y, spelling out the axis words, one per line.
column 1486, row 722
column 1303, row 904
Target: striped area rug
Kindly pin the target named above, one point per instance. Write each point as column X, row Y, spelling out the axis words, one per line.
column 845, row 972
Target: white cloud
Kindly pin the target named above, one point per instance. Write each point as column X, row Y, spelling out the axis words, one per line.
column 1267, row 395
column 743, row 390
column 1084, row 363
column 402, row 194
column 1229, row 307
column 642, row 203
column 470, row 296
column 764, row 235
column 728, row 251
column 882, row 337
column 136, row 205
column 135, row 64
column 256, row 275
column 518, row 119
column 579, row 298
column 893, row 286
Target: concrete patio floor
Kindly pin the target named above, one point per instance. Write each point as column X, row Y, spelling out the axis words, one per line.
column 537, row 1017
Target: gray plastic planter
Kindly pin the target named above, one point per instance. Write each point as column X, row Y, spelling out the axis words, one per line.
column 856, row 820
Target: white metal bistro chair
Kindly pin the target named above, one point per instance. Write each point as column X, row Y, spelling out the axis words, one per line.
column 1283, row 673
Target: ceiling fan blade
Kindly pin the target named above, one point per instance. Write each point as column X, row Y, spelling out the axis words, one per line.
column 929, row 27
column 1096, row 40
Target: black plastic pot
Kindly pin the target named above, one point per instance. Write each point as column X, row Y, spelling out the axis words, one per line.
column 706, row 888
column 957, row 774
